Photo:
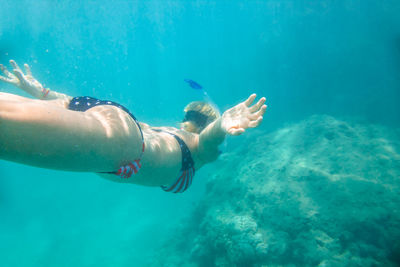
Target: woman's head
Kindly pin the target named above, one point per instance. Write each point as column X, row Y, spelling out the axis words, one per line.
column 198, row 115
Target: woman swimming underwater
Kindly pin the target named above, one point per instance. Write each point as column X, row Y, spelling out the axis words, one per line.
column 85, row 134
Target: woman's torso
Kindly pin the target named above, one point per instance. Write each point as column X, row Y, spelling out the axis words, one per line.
column 161, row 160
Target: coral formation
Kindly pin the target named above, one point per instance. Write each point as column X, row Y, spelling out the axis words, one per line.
column 322, row 192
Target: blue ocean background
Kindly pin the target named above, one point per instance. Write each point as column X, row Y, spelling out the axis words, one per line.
column 339, row 58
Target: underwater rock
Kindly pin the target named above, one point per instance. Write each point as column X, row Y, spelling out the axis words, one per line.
column 322, row 192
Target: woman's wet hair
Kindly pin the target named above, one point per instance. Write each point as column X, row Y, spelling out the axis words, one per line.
column 198, row 115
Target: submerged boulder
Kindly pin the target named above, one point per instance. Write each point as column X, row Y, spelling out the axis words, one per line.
column 322, row 192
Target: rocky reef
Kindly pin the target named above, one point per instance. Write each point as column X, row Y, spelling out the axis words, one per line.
column 321, row 192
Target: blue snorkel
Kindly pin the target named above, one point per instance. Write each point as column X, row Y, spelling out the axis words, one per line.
column 200, row 88
column 207, row 99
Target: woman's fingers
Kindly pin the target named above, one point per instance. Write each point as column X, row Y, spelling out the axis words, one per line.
column 235, row 131
column 4, row 70
column 4, row 79
column 257, row 106
column 9, row 76
column 250, row 100
column 15, row 65
column 20, row 76
column 17, row 77
column 259, row 113
column 28, row 69
column 255, row 123
column 245, row 115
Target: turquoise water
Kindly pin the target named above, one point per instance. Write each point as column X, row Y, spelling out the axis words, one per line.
column 340, row 58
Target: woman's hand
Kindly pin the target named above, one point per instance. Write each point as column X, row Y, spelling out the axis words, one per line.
column 236, row 120
column 23, row 81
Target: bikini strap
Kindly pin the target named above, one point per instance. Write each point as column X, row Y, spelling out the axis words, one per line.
column 187, row 171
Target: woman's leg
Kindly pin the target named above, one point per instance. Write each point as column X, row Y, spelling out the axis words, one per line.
column 44, row 134
column 11, row 97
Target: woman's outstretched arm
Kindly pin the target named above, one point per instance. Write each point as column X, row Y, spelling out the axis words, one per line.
column 29, row 84
column 234, row 121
